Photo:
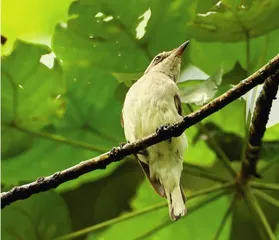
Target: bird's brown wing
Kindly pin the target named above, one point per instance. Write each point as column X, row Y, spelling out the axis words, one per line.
column 154, row 183
column 178, row 105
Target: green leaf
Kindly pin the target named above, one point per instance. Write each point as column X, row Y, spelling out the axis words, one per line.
column 225, row 140
column 209, row 56
column 98, row 206
column 103, row 43
column 31, row 95
column 87, row 119
column 272, row 133
column 235, row 75
column 110, row 41
column 223, row 23
column 42, row 216
column 230, row 118
column 127, row 78
column 202, row 92
column 157, row 223
column 262, row 49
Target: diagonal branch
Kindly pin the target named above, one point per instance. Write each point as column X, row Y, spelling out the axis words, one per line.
column 100, row 162
column 258, row 127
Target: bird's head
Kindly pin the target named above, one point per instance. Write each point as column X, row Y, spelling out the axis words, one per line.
column 168, row 62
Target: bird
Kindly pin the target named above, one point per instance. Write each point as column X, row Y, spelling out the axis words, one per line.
column 151, row 102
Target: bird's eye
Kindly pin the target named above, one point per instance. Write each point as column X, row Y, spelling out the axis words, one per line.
column 158, row 58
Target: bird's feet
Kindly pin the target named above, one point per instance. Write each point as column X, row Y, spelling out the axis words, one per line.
column 115, row 150
column 122, row 144
column 162, row 128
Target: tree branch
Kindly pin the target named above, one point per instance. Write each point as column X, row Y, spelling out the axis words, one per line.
column 100, row 162
column 258, row 127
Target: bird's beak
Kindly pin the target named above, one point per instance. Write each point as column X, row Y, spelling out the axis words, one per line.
column 179, row 51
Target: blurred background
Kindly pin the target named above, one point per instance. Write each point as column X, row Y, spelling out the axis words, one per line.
column 66, row 67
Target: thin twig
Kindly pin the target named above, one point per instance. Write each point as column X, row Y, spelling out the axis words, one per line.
column 215, row 188
column 258, row 127
column 100, row 162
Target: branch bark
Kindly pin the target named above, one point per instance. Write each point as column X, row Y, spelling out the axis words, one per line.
column 100, row 162
column 258, row 127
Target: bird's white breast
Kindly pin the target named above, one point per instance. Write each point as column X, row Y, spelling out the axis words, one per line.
column 149, row 104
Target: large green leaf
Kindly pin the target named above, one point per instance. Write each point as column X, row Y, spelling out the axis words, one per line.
column 104, row 43
column 110, row 41
column 31, row 95
column 233, row 23
column 42, row 216
column 92, row 117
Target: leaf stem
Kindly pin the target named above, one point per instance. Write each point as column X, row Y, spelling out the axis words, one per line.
column 267, row 197
column 126, row 216
column 265, row 186
column 225, row 218
column 61, row 139
column 201, row 172
column 15, row 93
column 191, row 209
column 258, row 216
column 268, row 165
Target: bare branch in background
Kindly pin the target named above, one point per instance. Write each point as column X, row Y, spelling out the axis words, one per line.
column 258, row 127
column 100, row 162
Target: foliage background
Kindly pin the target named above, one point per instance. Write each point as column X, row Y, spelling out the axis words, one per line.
column 78, row 94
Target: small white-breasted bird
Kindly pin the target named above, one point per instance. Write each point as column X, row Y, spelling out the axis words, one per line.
column 151, row 102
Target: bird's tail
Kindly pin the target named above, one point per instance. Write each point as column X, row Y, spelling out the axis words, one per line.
column 176, row 202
